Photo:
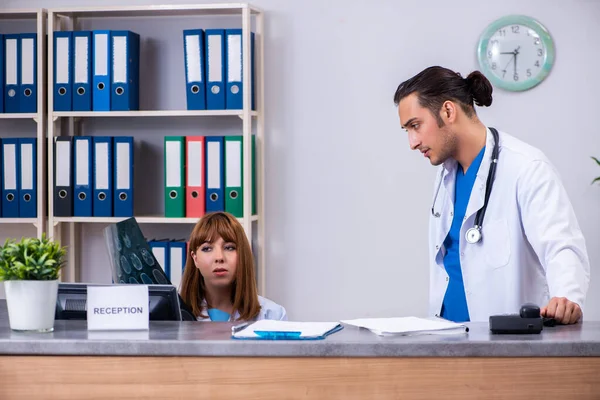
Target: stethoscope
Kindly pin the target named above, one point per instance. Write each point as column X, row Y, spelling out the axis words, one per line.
column 473, row 235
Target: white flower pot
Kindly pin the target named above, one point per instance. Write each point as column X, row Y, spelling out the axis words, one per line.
column 31, row 304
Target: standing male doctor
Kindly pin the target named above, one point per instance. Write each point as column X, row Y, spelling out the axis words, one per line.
column 502, row 228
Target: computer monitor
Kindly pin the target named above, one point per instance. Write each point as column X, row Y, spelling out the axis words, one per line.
column 71, row 302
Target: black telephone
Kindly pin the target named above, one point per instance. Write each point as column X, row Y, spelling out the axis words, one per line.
column 528, row 320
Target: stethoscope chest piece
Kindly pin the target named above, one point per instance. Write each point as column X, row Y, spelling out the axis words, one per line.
column 473, row 235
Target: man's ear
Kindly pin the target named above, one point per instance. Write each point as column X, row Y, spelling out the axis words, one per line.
column 448, row 111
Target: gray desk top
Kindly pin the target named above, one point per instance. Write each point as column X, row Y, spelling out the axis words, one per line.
column 213, row 339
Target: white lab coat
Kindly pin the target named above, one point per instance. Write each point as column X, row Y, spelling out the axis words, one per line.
column 268, row 310
column 531, row 249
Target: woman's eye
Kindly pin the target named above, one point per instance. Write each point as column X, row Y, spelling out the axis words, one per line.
column 230, row 248
column 205, row 249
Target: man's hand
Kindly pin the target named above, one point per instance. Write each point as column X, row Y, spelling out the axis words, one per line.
column 562, row 310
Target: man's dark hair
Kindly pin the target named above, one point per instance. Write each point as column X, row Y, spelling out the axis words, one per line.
column 435, row 85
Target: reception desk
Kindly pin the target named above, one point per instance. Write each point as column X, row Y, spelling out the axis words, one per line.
column 199, row 360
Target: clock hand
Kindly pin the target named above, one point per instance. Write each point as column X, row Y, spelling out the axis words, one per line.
column 508, row 63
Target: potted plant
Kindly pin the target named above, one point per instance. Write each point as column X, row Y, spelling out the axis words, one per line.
column 30, row 269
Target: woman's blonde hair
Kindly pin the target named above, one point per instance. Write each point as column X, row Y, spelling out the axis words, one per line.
column 244, row 295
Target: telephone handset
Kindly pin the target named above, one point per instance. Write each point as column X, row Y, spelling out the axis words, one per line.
column 527, row 321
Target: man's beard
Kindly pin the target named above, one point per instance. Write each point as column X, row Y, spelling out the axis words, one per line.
column 448, row 147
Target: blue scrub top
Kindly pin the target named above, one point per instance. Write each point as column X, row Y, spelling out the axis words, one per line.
column 454, row 307
column 217, row 315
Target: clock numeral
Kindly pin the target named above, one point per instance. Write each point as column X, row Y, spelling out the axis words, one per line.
column 493, row 65
column 537, row 63
column 493, row 43
column 540, row 52
column 536, row 41
column 516, row 77
column 515, row 29
column 489, row 54
column 502, row 32
column 528, row 73
column 503, row 73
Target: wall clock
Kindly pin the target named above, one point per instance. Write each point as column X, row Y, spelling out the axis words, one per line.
column 515, row 52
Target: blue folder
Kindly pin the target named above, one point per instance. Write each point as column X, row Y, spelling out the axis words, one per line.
column 215, row 177
column 215, row 69
column 12, row 72
column 2, row 62
column 11, row 174
column 234, row 95
column 102, row 63
column 177, row 244
column 123, row 176
column 82, row 71
column 166, row 264
column 82, row 182
column 28, row 73
column 193, row 49
column 102, row 205
column 1, row 174
column 125, row 71
column 63, row 75
column 27, row 181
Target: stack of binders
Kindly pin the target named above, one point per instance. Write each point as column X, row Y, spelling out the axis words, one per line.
column 205, row 174
column 18, row 178
column 96, row 70
column 214, row 69
column 93, row 176
column 171, row 255
column 18, row 73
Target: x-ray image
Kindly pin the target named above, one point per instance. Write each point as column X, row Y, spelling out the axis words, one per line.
column 130, row 255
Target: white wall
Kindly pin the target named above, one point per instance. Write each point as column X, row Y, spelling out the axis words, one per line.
column 347, row 201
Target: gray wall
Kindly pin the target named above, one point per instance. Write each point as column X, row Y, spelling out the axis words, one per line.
column 347, row 201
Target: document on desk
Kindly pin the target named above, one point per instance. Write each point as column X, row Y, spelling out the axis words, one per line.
column 408, row 326
column 285, row 330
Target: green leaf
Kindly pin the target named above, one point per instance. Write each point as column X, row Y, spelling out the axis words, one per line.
column 31, row 259
column 42, row 259
column 595, row 159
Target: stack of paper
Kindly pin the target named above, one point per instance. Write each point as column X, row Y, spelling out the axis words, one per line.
column 287, row 330
column 408, row 326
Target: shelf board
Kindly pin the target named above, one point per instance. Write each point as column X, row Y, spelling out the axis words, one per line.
column 151, row 113
column 18, row 220
column 140, row 220
column 182, row 10
column 18, row 115
column 18, row 14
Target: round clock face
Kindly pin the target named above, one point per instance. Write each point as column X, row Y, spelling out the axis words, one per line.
column 516, row 53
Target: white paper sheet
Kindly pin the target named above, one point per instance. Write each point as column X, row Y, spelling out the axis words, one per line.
column 407, row 326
